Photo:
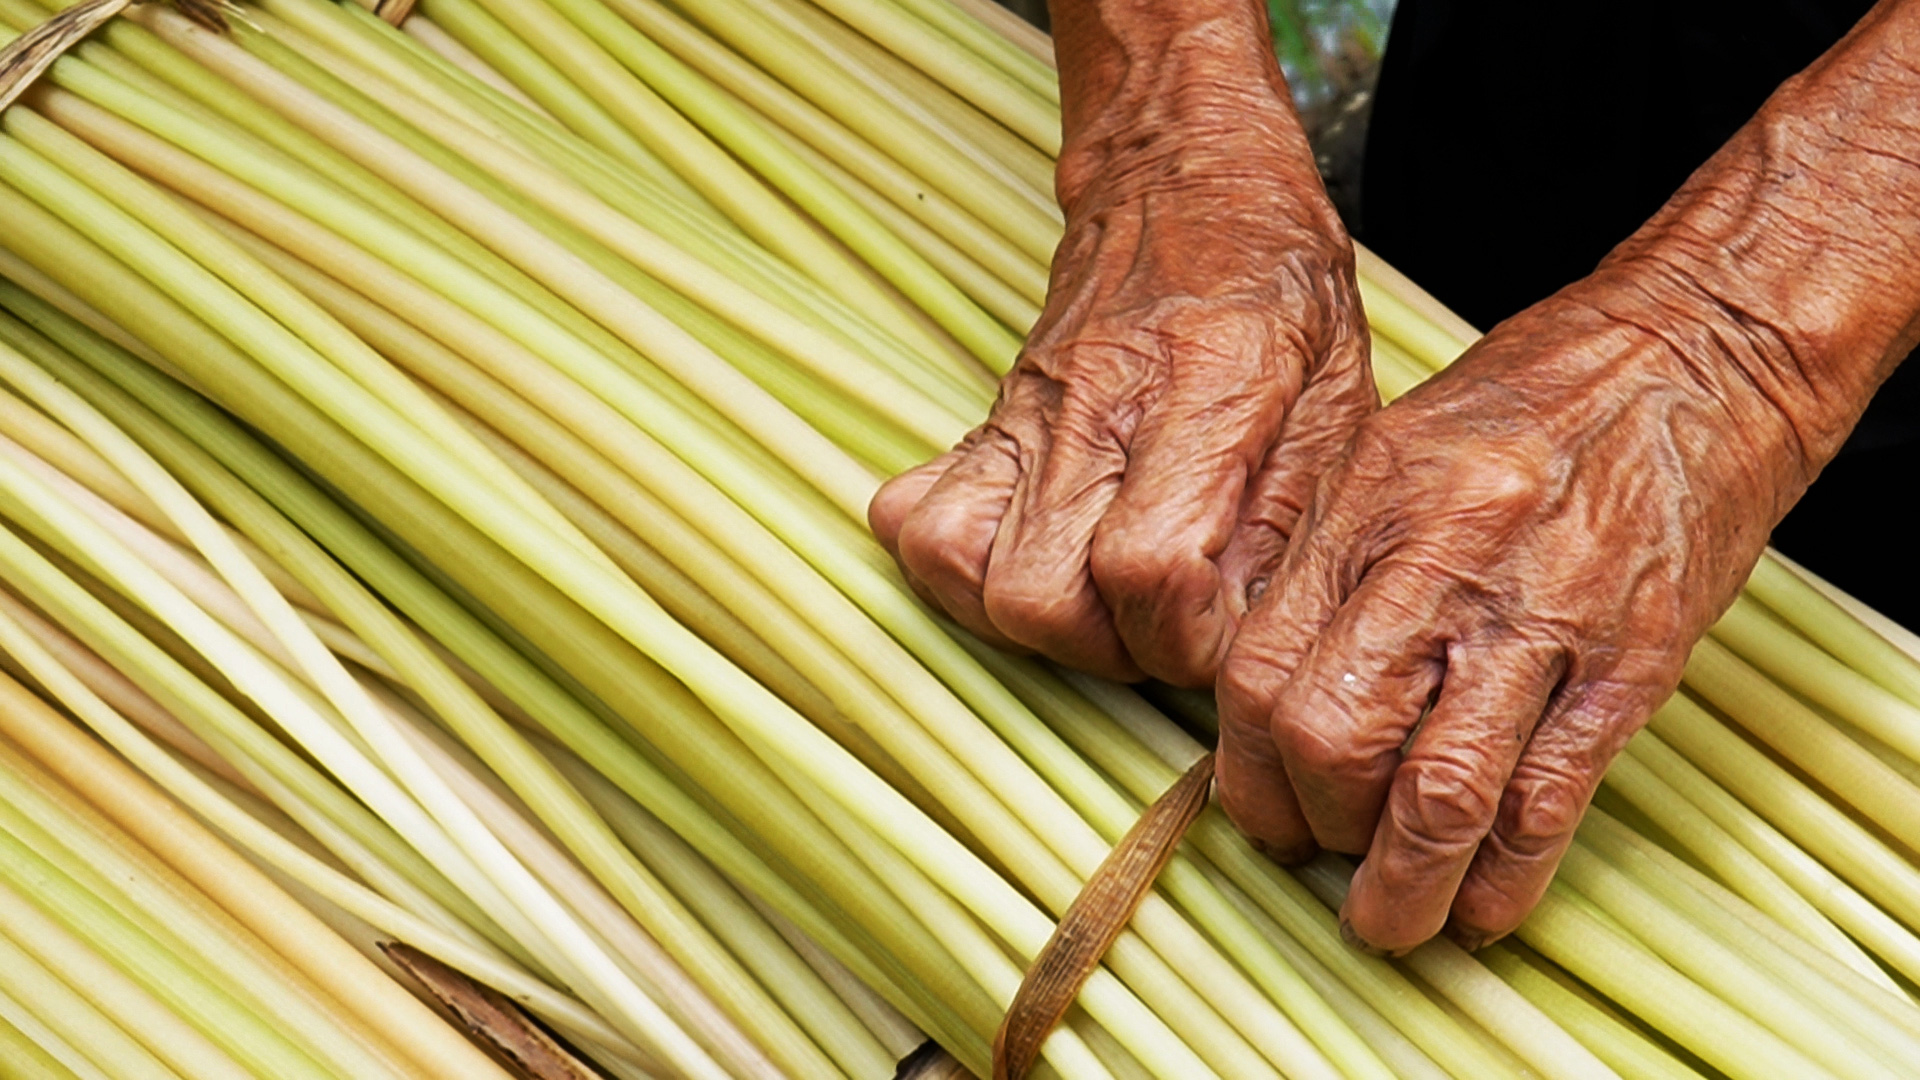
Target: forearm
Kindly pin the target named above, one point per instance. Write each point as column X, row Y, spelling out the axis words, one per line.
column 1799, row 242
column 1152, row 88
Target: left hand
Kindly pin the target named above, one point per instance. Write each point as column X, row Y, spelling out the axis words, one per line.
column 1492, row 591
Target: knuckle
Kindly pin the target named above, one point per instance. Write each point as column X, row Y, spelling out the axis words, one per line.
column 1540, row 809
column 1325, row 746
column 1031, row 611
column 1499, row 477
column 1444, row 802
column 893, row 503
column 944, row 540
column 1245, row 685
column 1138, row 564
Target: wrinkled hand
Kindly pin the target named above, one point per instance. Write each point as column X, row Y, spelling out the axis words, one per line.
column 1201, row 357
column 1492, row 590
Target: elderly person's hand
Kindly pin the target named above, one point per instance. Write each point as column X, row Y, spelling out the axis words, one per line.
column 1503, row 575
column 1201, row 358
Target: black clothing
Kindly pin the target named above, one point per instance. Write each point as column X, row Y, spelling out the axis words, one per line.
column 1513, row 143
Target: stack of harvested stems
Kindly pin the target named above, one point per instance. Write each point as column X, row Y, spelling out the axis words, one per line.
column 431, row 494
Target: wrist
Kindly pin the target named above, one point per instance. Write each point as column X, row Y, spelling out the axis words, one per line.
column 1794, row 247
column 1155, row 91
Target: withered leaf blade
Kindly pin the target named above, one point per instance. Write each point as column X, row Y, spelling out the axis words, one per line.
column 32, row 53
column 491, row 1017
column 930, row 1062
column 1094, row 920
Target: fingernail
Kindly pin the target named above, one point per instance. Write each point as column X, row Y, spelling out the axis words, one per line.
column 1292, row 855
column 1470, row 940
column 1257, row 588
column 1348, row 935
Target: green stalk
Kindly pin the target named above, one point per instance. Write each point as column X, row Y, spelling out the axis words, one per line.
column 165, row 78
column 953, row 124
column 1416, row 335
column 59, row 903
column 504, row 288
column 1786, row 1009
column 615, row 922
column 936, row 364
column 267, row 764
column 728, row 915
column 31, row 723
column 27, row 1059
column 1813, row 882
column 298, row 716
column 992, row 199
column 90, row 1024
column 231, row 145
column 1115, row 746
column 1797, row 733
column 1793, row 808
column 107, row 863
column 665, row 342
column 530, row 73
column 550, row 796
column 718, row 768
column 1830, row 627
column 1034, row 117
column 451, row 57
column 830, row 141
column 559, row 806
column 511, row 590
column 1881, row 1014
column 1157, row 981
column 965, row 28
column 1623, row 1048
column 349, row 32
column 1720, row 852
column 742, row 134
column 1006, row 283
column 1399, row 1053
column 864, row 703
column 691, row 151
column 1807, row 670
column 1516, row 1023
column 1394, row 371
column 821, row 355
column 1564, row 929
column 906, row 87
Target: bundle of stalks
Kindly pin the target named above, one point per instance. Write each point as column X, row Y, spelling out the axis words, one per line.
column 431, row 504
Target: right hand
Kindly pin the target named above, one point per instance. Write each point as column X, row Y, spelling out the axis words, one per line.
column 1201, row 358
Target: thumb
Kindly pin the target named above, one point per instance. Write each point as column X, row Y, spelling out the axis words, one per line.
column 1316, row 431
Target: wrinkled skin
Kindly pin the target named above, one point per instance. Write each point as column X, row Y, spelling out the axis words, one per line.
column 1430, row 657
column 1496, row 585
column 1201, row 358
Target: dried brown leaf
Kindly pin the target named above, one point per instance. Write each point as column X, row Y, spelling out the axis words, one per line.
column 1094, row 920
column 492, row 1018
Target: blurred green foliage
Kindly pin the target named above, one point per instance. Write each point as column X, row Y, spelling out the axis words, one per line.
column 1329, row 48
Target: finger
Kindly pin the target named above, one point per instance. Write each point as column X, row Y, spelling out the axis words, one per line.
column 944, row 537
column 1254, row 792
column 1544, row 801
column 1275, row 636
column 1446, row 793
column 887, row 515
column 1187, row 470
column 1341, row 720
column 1038, row 589
column 887, row 512
column 1316, row 431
